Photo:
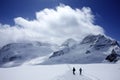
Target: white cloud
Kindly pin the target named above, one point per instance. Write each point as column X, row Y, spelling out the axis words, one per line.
column 52, row 25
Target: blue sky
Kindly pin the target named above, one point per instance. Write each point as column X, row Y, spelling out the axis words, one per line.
column 107, row 12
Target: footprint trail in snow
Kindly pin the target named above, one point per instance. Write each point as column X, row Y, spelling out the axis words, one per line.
column 70, row 76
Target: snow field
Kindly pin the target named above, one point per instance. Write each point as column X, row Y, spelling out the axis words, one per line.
column 62, row 72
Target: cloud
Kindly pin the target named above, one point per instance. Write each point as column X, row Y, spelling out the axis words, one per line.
column 52, row 25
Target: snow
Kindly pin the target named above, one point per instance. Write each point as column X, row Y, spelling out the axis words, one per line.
column 32, row 72
column 69, row 43
column 37, row 60
column 17, row 53
column 92, row 49
column 62, row 72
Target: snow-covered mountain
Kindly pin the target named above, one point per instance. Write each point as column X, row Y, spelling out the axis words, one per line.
column 17, row 53
column 92, row 49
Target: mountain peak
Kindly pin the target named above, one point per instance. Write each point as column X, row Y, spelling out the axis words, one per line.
column 69, row 42
column 92, row 49
column 92, row 38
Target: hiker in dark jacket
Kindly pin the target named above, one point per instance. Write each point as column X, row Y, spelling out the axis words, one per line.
column 80, row 71
column 74, row 71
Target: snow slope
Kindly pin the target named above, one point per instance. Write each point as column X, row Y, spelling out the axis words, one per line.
column 17, row 53
column 92, row 49
column 62, row 72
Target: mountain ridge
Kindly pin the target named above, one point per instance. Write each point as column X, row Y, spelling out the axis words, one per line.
column 92, row 49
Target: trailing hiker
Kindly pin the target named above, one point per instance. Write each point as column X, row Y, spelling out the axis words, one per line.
column 80, row 71
column 74, row 71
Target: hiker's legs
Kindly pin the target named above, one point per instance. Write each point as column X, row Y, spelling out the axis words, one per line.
column 80, row 72
column 73, row 72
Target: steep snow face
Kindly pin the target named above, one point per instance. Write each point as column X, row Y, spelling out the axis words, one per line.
column 93, row 49
column 16, row 53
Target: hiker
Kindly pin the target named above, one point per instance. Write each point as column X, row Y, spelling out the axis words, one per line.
column 80, row 71
column 73, row 71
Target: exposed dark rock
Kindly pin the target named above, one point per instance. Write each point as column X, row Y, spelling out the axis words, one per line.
column 112, row 57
